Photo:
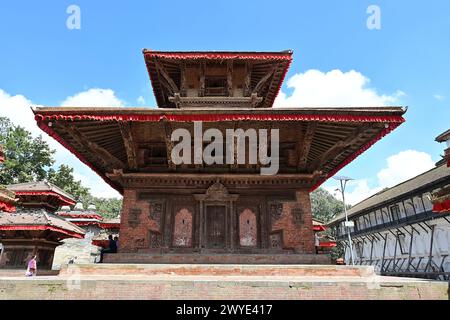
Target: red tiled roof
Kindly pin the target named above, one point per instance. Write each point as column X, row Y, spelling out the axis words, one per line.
column 39, row 221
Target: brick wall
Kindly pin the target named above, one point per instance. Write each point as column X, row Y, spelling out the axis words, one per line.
column 135, row 224
column 295, row 223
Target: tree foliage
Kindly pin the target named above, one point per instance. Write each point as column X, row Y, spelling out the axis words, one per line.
column 26, row 158
column 63, row 178
column 324, row 205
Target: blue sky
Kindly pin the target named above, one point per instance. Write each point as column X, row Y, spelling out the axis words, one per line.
column 407, row 60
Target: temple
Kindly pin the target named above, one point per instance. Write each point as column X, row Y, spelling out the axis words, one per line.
column 28, row 226
column 96, row 228
column 224, row 211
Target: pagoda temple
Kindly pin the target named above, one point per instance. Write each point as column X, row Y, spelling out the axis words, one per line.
column 32, row 228
column 96, row 228
column 198, row 208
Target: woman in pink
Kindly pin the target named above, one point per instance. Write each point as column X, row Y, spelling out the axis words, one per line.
column 31, row 270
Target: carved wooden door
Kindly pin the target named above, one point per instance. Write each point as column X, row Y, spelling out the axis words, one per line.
column 215, row 226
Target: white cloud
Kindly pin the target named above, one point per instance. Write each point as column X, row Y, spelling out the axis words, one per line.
column 315, row 88
column 18, row 109
column 93, row 98
column 140, row 100
column 400, row 167
column 403, row 166
column 439, row 97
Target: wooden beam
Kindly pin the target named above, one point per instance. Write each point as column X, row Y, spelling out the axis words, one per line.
column 125, row 130
column 169, row 143
column 201, row 92
column 96, row 151
column 305, row 145
column 169, row 81
column 183, row 89
column 248, row 78
column 341, row 145
column 263, row 80
column 230, row 77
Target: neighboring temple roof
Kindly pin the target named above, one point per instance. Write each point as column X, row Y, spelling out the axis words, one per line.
column 318, row 225
column 39, row 221
column 42, row 188
column 262, row 62
column 113, row 223
column 7, row 200
column 327, row 137
column 433, row 176
column 2, row 154
column 74, row 214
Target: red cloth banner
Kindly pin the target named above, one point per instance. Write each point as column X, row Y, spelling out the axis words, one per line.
column 442, row 207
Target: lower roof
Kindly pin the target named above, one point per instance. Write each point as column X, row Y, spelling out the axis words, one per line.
column 331, row 137
column 39, row 220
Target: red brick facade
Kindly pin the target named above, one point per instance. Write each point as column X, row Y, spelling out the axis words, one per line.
column 172, row 223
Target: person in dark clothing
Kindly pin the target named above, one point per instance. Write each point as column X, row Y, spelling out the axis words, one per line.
column 112, row 247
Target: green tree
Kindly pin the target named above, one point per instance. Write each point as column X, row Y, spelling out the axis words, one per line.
column 108, row 207
column 26, row 158
column 324, row 205
column 63, row 178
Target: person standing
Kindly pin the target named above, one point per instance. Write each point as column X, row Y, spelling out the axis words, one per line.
column 32, row 267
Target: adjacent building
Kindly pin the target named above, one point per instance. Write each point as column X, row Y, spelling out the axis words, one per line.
column 399, row 230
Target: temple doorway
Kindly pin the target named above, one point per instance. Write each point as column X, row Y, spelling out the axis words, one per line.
column 215, row 227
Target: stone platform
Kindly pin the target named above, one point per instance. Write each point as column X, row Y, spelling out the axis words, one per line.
column 204, row 282
column 218, row 258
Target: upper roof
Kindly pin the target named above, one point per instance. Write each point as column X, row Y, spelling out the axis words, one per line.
column 42, row 188
column 165, row 70
column 433, row 176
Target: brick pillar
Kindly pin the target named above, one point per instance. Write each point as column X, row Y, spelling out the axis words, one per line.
column 135, row 223
column 306, row 227
column 295, row 223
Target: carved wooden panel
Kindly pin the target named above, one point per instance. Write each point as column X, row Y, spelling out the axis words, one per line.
column 215, row 226
column 133, row 217
column 297, row 214
column 276, row 240
column 248, row 228
column 157, row 209
column 155, row 239
column 182, row 234
column 275, row 210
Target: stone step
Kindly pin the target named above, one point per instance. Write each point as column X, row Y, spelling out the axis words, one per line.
column 222, row 288
column 219, row 258
column 21, row 273
column 206, row 270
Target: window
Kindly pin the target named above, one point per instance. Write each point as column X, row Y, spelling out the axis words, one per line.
column 216, row 86
column 402, row 243
column 395, row 212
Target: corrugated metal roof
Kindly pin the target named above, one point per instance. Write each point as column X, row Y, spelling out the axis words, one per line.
column 440, row 173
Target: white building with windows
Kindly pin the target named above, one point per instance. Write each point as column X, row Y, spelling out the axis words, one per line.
column 397, row 231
